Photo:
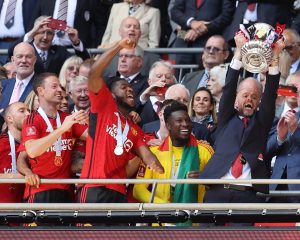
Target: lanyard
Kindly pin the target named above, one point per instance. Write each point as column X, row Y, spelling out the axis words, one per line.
column 58, row 142
column 121, row 136
column 12, row 152
column 174, row 174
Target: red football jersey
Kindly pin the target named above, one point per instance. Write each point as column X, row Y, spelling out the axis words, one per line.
column 100, row 160
column 45, row 165
column 9, row 193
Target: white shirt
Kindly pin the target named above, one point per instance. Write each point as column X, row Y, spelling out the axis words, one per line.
column 65, row 41
column 294, row 66
column 130, row 77
column 25, row 82
column 250, row 16
column 16, row 30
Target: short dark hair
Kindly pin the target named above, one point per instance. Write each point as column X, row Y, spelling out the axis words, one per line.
column 174, row 107
column 112, row 82
column 40, row 79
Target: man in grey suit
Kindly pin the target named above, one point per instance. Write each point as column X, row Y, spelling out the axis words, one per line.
column 284, row 143
column 215, row 53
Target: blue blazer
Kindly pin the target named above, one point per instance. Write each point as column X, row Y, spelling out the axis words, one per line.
column 8, row 87
column 287, row 156
column 231, row 137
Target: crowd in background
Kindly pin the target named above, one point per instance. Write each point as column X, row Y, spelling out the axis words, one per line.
column 44, row 85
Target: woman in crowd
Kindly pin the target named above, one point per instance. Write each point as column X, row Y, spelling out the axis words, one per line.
column 202, row 108
column 69, row 70
column 148, row 17
column 216, row 82
column 32, row 101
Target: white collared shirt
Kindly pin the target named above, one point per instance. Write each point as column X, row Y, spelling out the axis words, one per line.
column 153, row 100
column 130, row 77
column 250, row 16
column 25, row 82
column 294, row 66
column 39, row 51
column 17, row 30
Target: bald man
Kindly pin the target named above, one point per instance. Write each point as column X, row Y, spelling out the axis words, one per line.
column 242, row 132
column 18, row 88
column 14, row 115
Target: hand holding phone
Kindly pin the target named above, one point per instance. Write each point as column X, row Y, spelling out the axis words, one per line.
column 57, row 24
column 287, row 91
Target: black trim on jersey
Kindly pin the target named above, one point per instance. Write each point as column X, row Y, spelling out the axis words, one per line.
column 92, row 132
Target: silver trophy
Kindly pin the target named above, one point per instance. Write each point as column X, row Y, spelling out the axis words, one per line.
column 257, row 52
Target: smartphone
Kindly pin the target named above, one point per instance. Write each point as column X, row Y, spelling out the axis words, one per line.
column 57, row 24
column 161, row 90
column 287, row 91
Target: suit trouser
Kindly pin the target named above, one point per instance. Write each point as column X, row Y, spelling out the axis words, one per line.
column 219, row 194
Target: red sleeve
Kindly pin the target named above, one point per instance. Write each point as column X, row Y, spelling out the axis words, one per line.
column 30, row 130
column 140, row 141
column 78, row 130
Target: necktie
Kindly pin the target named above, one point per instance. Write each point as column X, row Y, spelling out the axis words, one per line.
column 204, row 80
column 16, row 92
column 62, row 10
column 237, row 166
column 10, row 14
column 198, row 2
column 43, row 57
column 159, row 105
column 133, row 8
column 251, row 7
column 62, row 14
column 245, row 121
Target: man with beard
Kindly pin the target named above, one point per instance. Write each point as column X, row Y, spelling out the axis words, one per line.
column 18, row 88
column 78, row 89
column 179, row 154
column 14, row 115
column 47, row 138
column 242, row 132
column 113, row 137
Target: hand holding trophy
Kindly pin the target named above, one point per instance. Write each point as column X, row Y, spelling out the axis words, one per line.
column 257, row 52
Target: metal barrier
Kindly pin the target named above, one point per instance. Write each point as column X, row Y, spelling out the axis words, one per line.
column 116, row 213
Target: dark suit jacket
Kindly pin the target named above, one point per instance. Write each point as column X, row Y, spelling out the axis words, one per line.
column 57, row 55
column 287, row 156
column 8, row 87
column 88, row 13
column 28, row 6
column 199, row 130
column 148, row 60
column 147, row 113
column 268, row 11
column 217, row 12
column 191, row 80
column 231, row 137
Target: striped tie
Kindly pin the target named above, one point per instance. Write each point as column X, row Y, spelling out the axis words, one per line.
column 62, row 10
column 10, row 14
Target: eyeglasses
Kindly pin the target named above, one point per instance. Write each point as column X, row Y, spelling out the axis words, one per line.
column 127, row 55
column 290, row 47
column 213, row 50
column 72, row 68
column 80, row 91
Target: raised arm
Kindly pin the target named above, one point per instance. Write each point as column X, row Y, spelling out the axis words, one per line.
column 36, row 147
column 96, row 79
